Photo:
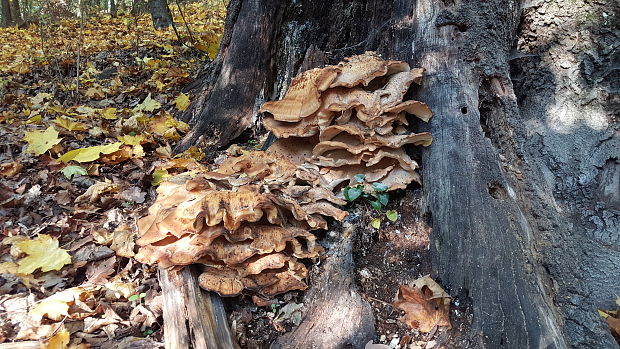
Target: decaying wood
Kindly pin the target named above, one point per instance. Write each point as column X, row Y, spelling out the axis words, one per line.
column 193, row 318
column 335, row 314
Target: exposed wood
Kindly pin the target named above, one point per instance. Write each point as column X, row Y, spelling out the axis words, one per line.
column 335, row 314
column 193, row 318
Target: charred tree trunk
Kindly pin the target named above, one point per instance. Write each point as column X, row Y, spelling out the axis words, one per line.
column 487, row 241
column 160, row 14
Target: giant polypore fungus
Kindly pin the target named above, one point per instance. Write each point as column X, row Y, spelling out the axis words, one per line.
column 351, row 120
column 250, row 221
column 247, row 222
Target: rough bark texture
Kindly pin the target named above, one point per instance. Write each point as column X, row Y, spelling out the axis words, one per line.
column 160, row 13
column 336, row 316
column 522, row 177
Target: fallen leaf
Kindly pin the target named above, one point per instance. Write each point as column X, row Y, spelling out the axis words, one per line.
column 57, row 306
column 10, row 169
column 123, row 241
column 425, row 303
column 149, row 104
column 94, row 192
column 182, row 102
column 89, row 153
column 41, row 141
column 98, row 272
column 69, row 124
column 59, row 341
column 376, row 223
column 43, row 252
column 71, row 171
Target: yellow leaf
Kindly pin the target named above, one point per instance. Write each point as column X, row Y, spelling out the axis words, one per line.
column 148, row 104
column 43, row 252
column 108, row 113
column 34, row 120
column 8, row 268
column 182, row 102
column 41, row 141
column 59, row 341
column 132, row 140
column 90, row 153
column 88, row 111
column 57, row 306
column 159, row 175
column 69, row 124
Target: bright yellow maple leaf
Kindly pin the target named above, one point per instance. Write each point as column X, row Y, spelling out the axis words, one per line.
column 90, row 153
column 43, row 252
column 108, row 113
column 182, row 102
column 149, row 104
column 57, row 306
column 41, row 141
column 69, row 124
column 58, row 341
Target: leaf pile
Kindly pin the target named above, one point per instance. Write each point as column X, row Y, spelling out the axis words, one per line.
column 425, row 303
column 78, row 159
column 247, row 223
column 350, row 119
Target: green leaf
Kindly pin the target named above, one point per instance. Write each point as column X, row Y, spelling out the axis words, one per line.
column 376, row 223
column 71, row 171
column 350, row 194
column 360, row 177
column 376, row 205
column 133, row 298
column 379, row 187
column 392, row 215
column 383, row 198
column 142, row 295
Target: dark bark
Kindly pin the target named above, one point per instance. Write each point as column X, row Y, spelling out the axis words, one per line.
column 6, row 13
column 487, row 242
column 16, row 13
column 113, row 9
column 160, row 14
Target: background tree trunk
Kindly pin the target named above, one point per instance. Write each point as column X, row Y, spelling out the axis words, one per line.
column 160, row 13
column 522, row 178
column 16, row 13
column 6, row 13
column 113, row 9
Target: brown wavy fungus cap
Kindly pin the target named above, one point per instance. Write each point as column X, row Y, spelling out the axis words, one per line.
column 248, row 223
column 350, row 118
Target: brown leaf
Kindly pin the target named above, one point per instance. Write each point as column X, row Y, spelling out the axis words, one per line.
column 123, row 241
column 425, row 303
column 98, row 272
column 10, row 169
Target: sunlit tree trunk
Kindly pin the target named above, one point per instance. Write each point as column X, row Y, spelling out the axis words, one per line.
column 160, row 13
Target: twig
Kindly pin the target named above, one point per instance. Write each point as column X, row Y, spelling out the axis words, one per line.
column 184, row 21
column 79, row 49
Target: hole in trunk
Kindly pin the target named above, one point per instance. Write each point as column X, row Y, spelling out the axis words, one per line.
column 497, row 191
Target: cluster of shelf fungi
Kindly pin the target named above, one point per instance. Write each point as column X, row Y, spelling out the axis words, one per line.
column 248, row 223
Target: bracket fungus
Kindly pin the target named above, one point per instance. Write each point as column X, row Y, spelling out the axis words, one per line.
column 247, row 222
column 356, row 125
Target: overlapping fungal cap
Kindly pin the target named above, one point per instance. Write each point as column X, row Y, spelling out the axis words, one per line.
column 355, row 125
column 247, row 222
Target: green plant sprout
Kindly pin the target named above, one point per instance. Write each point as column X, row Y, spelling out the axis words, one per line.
column 378, row 198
